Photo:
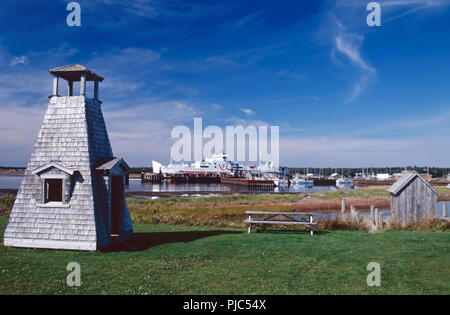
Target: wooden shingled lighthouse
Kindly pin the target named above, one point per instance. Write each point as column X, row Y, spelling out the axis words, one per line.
column 72, row 194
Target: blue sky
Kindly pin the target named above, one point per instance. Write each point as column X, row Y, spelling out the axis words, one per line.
column 344, row 94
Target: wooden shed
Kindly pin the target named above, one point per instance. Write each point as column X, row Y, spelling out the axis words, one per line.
column 413, row 199
column 72, row 195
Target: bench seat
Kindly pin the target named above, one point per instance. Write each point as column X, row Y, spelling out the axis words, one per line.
column 279, row 222
column 270, row 219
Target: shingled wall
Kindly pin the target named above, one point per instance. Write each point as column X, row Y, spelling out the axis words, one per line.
column 73, row 134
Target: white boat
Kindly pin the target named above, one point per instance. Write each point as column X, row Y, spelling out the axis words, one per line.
column 217, row 165
column 343, row 182
column 302, row 181
column 280, row 182
column 384, row 177
column 267, row 167
column 169, row 169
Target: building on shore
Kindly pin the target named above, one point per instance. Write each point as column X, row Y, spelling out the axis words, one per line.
column 413, row 199
column 72, row 194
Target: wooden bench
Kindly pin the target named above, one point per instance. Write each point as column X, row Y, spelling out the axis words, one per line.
column 288, row 218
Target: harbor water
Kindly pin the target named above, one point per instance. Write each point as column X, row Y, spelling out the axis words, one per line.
column 137, row 185
column 14, row 181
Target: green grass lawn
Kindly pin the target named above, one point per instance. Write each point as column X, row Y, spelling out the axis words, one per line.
column 238, row 263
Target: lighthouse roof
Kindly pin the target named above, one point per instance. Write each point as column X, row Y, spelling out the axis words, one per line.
column 73, row 73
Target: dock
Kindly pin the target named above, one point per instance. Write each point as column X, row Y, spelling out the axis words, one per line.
column 324, row 182
column 180, row 178
column 151, row 177
column 193, row 179
column 250, row 183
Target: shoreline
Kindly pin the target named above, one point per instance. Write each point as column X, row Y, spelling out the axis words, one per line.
column 12, row 174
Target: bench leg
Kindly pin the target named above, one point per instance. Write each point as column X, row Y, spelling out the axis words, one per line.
column 311, row 226
column 249, row 228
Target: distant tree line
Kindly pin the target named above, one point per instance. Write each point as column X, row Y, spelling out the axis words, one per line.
column 434, row 171
column 327, row 171
column 139, row 170
column 9, row 168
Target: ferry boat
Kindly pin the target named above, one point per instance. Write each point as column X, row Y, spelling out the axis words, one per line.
column 217, row 165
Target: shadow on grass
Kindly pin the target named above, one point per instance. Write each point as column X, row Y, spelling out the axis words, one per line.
column 143, row 241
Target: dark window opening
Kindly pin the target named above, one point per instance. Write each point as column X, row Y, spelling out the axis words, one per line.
column 117, row 204
column 53, row 190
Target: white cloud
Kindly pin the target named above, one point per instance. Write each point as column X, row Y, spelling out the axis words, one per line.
column 247, row 111
column 215, row 106
column 143, row 133
column 139, row 126
column 18, row 132
column 19, row 60
column 248, row 18
column 395, row 9
column 149, row 9
column 393, row 3
column 349, row 45
column 234, row 121
column 138, row 135
column 430, row 3
column 363, row 152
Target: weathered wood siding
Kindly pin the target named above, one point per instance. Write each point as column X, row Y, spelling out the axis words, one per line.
column 74, row 134
column 414, row 203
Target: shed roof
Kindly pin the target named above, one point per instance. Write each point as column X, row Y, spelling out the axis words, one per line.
column 112, row 164
column 73, row 73
column 405, row 180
